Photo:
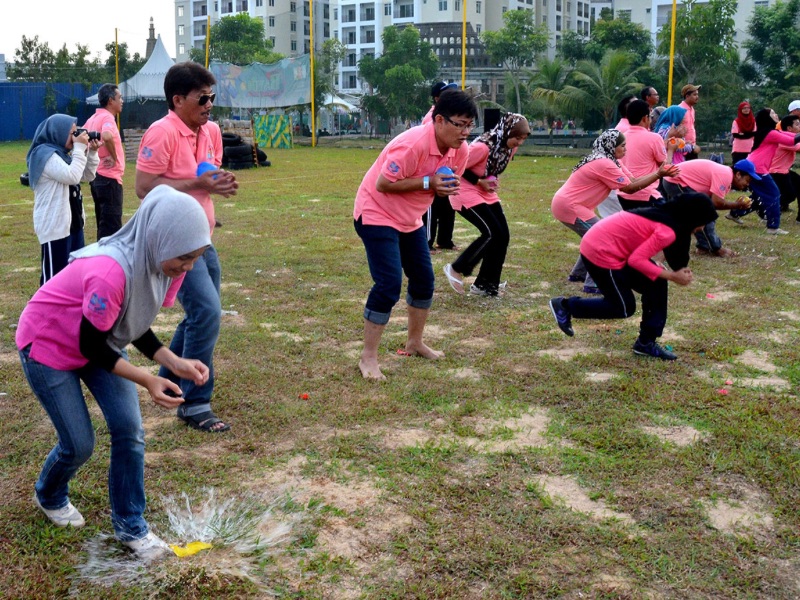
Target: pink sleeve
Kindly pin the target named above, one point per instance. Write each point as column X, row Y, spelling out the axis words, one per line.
column 155, row 150
column 172, row 292
column 478, row 155
column 611, row 175
column 639, row 259
column 401, row 162
column 103, row 294
column 217, row 144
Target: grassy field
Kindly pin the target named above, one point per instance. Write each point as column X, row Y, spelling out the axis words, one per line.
column 524, row 465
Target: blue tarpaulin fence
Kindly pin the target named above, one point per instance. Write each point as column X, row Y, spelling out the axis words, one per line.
column 24, row 105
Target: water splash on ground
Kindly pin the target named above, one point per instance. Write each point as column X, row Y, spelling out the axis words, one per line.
column 243, row 530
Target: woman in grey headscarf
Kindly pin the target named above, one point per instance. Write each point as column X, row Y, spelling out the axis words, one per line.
column 76, row 328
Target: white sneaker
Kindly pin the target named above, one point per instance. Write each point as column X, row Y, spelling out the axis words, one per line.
column 62, row 517
column 150, row 547
column 777, row 231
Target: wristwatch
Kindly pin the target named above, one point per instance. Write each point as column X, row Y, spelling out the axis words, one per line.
column 426, row 183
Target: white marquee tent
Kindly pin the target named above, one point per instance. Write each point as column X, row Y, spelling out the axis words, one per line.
column 148, row 83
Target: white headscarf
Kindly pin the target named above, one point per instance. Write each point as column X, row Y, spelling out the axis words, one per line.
column 167, row 225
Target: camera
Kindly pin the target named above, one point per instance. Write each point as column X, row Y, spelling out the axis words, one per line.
column 93, row 135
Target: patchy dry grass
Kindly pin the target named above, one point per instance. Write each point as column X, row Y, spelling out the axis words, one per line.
column 525, row 464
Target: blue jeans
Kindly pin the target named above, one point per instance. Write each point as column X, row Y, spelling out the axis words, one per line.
column 59, row 393
column 196, row 335
column 390, row 253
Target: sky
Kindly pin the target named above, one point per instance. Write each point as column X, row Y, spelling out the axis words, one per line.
column 89, row 23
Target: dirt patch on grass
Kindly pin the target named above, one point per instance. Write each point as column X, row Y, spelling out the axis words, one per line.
column 680, row 435
column 465, row 373
column 566, row 352
column 775, row 383
column 758, row 359
column 566, row 490
column 8, row 358
column 792, row 315
column 477, row 343
column 599, row 377
column 743, row 510
column 721, row 295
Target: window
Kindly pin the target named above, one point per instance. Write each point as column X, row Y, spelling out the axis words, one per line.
column 351, row 37
column 272, row 40
column 478, row 7
column 294, row 45
column 180, row 13
column 293, row 26
column 351, row 81
column 387, row 9
column 272, row 21
column 241, row 6
column 292, row 6
column 335, row 14
column 558, row 22
column 406, row 11
column 181, row 30
column 199, row 29
column 442, row 5
column 181, row 48
column 272, row 2
column 259, row 3
column 457, row 5
column 477, row 29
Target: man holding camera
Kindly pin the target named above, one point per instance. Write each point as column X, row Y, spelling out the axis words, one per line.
column 170, row 151
column 107, row 185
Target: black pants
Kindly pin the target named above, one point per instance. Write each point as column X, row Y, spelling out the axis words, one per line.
column 440, row 220
column 489, row 249
column 107, row 195
column 789, row 185
column 618, row 301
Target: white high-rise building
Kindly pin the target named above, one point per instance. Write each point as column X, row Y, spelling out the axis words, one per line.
column 286, row 22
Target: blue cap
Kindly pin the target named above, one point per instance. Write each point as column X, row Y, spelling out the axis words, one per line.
column 745, row 166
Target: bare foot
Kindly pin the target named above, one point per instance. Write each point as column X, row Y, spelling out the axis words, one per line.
column 371, row 370
column 420, row 349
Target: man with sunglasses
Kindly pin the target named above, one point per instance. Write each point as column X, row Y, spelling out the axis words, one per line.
column 395, row 192
column 169, row 153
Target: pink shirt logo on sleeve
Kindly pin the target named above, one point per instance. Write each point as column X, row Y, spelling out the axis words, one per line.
column 620, row 179
column 723, row 190
column 394, row 168
column 146, row 152
column 97, row 304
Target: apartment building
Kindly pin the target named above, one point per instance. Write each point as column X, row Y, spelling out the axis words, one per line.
column 359, row 25
column 654, row 14
column 287, row 22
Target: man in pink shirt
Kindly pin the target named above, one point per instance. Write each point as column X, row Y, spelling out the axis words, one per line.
column 690, row 94
column 715, row 181
column 387, row 216
column 107, row 185
column 645, row 153
column 169, row 153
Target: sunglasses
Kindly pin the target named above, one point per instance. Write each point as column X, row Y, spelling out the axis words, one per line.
column 204, row 99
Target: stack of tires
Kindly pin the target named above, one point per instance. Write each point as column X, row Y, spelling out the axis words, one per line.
column 236, row 154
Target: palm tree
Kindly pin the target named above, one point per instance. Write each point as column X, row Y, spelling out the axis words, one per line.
column 546, row 82
column 596, row 87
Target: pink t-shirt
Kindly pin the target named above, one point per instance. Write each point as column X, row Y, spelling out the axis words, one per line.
column 784, row 158
column 704, row 176
column 428, row 116
column 471, row 195
column 645, row 153
column 741, row 145
column 623, row 126
column 102, row 121
column 170, row 149
column 626, row 238
column 89, row 287
column 688, row 121
column 586, row 188
column 762, row 156
column 414, row 153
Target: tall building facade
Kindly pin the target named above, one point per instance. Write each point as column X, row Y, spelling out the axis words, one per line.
column 287, row 23
column 359, row 25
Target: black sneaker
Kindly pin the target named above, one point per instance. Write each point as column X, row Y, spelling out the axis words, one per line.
column 652, row 349
column 562, row 316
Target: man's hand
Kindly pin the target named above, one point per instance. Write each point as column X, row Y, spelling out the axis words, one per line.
column 445, row 185
column 222, row 183
column 682, row 277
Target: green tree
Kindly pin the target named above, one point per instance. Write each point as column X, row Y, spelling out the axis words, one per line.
column 545, row 85
column 619, row 34
column 128, row 65
column 516, row 45
column 704, row 39
column 238, row 39
column 35, row 61
column 399, row 77
column 572, row 47
column 594, row 89
column 774, row 44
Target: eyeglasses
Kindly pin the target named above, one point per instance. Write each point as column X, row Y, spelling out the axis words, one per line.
column 204, row 99
column 461, row 126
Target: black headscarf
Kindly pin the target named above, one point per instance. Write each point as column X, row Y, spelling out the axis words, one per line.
column 683, row 215
column 764, row 124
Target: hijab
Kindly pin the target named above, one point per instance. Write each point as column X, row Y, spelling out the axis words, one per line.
column 50, row 137
column 167, row 225
column 683, row 215
column 764, row 124
column 500, row 154
column 672, row 117
column 605, row 146
column 745, row 122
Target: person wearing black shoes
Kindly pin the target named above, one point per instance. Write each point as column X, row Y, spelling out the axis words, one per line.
column 618, row 252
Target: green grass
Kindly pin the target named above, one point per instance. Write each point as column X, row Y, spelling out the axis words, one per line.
column 428, row 485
